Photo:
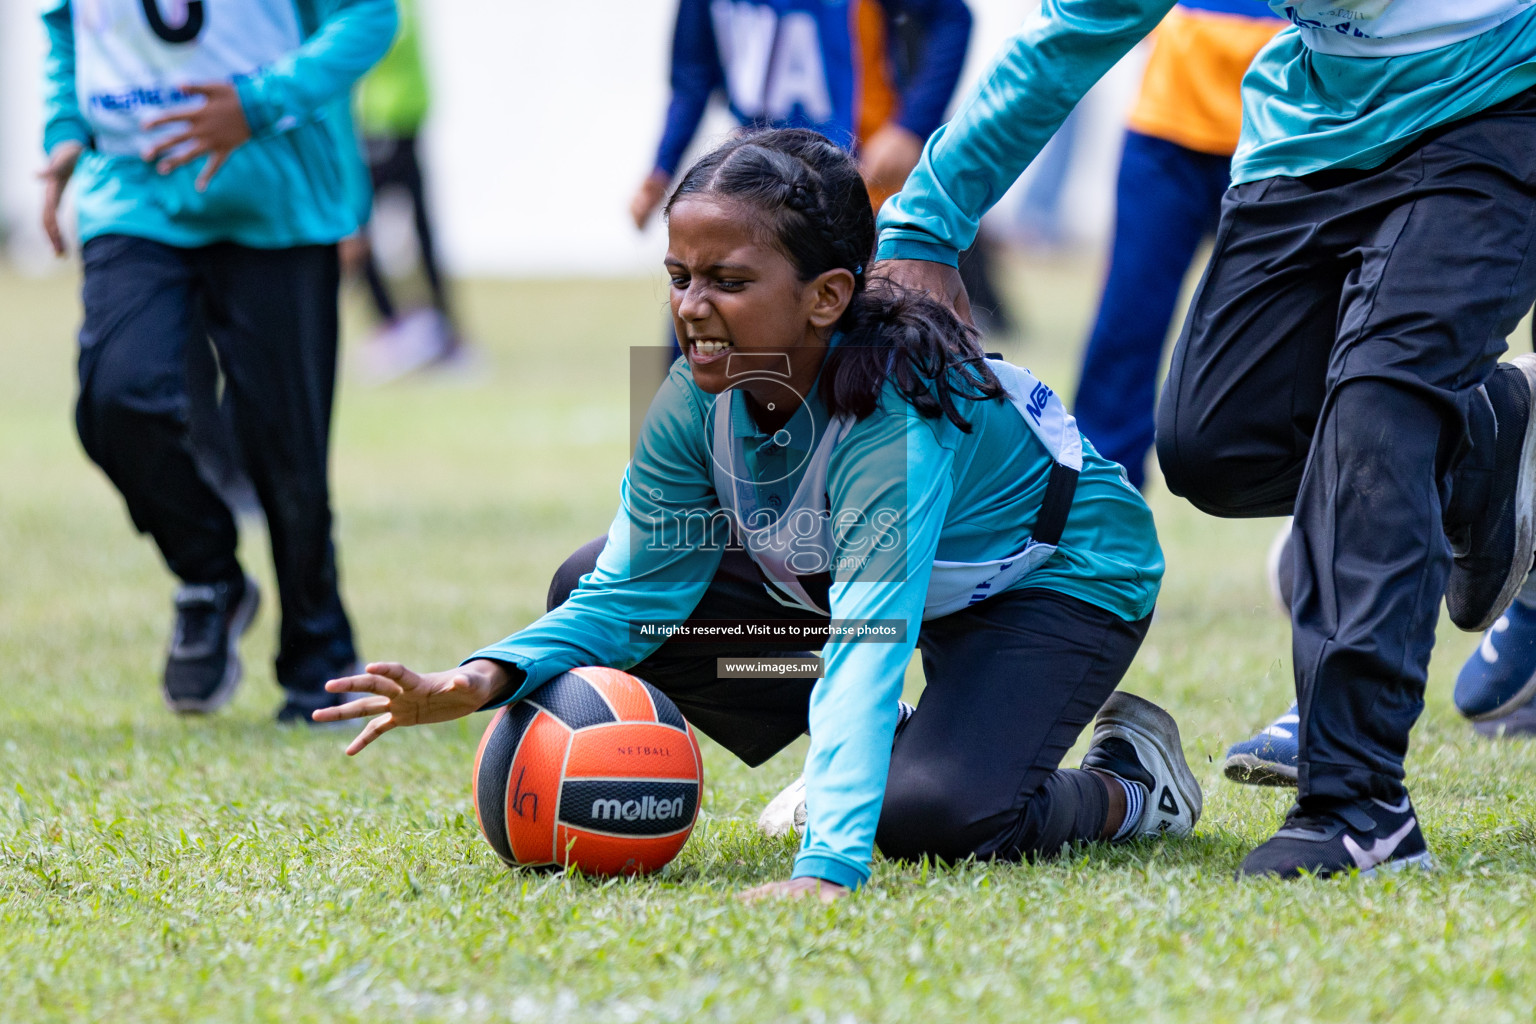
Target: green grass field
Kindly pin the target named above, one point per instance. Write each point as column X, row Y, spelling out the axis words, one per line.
column 154, row 868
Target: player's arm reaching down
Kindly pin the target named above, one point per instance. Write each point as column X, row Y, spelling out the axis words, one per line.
column 639, row 577
column 883, row 563
column 969, row 163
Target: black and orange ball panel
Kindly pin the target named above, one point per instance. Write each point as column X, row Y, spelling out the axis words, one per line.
column 596, row 769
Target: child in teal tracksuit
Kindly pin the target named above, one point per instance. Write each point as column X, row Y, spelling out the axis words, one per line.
column 832, row 451
column 214, row 171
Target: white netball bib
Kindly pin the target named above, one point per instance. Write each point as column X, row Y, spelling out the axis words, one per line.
column 799, row 541
column 131, row 56
column 1388, row 28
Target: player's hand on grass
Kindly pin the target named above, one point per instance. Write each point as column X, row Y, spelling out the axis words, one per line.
column 61, row 165
column 939, row 280
column 649, row 196
column 215, row 130
column 400, row 697
column 887, row 157
column 795, row 889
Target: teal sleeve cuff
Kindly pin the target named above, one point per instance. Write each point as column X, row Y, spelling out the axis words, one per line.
column 261, row 114
column 514, row 670
column 910, row 249
column 66, row 130
column 830, row 869
column 257, row 115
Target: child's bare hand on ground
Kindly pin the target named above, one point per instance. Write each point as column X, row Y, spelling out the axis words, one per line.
column 215, row 129
column 401, row 697
column 795, row 889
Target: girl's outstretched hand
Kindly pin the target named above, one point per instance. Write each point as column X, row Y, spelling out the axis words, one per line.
column 402, row 697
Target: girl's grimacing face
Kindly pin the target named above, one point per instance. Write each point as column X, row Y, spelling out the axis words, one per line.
column 734, row 292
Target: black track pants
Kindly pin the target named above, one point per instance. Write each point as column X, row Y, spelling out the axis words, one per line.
column 393, row 163
column 1329, row 366
column 1011, row 682
column 271, row 315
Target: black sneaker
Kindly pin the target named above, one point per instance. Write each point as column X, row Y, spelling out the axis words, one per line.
column 1138, row 741
column 1367, row 837
column 300, row 705
column 202, row 668
column 1493, row 555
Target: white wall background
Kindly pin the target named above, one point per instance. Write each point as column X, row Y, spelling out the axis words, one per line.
column 545, row 118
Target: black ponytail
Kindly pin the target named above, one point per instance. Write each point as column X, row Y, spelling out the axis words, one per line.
column 817, row 211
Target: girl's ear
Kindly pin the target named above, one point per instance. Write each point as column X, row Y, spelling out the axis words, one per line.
column 829, row 294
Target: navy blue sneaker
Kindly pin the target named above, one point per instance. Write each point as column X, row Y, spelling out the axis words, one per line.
column 1335, row 838
column 1270, row 757
column 1500, row 676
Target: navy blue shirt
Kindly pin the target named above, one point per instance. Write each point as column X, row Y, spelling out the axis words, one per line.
column 828, row 65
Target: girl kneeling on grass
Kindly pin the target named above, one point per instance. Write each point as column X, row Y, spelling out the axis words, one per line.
column 833, row 447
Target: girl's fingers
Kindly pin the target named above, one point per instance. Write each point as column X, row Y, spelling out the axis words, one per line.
column 372, row 731
column 215, row 161
column 170, row 163
column 165, row 146
column 51, row 222
column 360, row 708
column 407, row 679
column 165, row 119
column 370, row 682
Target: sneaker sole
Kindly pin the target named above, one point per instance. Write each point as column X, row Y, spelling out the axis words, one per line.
column 1144, row 718
column 1521, row 698
column 245, row 614
column 1419, row 861
column 1255, row 771
column 1525, row 536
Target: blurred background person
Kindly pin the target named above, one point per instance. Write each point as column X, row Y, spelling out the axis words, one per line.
column 874, row 76
column 391, row 105
column 210, row 158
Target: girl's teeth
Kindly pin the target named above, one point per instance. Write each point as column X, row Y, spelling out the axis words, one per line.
column 710, row 348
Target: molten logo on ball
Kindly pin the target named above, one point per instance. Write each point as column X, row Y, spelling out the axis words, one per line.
column 645, row 809
column 596, row 769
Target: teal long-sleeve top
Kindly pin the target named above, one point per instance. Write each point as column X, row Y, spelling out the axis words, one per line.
column 1303, row 110
column 299, row 180
column 941, row 492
